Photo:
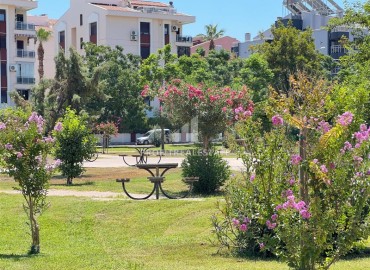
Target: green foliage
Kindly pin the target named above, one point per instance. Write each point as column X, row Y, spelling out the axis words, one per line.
column 289, row 52
column 74, row 144
column 211, row 169
column 212, row 32
column 309, row 207
column 24, row 152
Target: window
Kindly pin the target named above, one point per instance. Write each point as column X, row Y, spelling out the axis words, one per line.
column 144, row 28
column 81, row 43
column 4, row 96
column 19, row 18
column 62, row 40
column 144, row 52
column 3, row 69
column 81, row 19
column 2, row 15
column 2, row 42
column 94, row 33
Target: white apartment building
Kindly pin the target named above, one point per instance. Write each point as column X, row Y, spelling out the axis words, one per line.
column 304, row 14
column 140, row 27
column 17, row 58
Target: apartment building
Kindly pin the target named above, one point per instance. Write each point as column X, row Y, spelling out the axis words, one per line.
column 222, row 43
column 304, row 14
column 140, row 27
column 17, row 59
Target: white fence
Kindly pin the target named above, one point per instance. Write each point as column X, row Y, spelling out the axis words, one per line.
column 125, row 138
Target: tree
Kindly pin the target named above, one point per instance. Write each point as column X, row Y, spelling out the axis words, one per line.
column 42, row 36
column 24, row 153
column 211, row 34
column 290, row 51
column 74, row 143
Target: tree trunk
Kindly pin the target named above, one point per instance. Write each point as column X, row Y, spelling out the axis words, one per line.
column 211, row 45
column 206, row 144
column 302, row 171
column 35, row 231
column 40, row 52
column 69, row 181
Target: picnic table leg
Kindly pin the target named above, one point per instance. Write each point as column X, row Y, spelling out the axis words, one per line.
column 157, row 190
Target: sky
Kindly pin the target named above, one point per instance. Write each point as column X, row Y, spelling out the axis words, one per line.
column 236, row 17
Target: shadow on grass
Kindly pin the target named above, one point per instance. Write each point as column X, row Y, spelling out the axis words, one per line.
column 357, row 254
column 88, row 183
column 16, row 257
column 57, row 177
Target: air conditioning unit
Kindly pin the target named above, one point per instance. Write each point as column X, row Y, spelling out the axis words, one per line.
column 174, row 28
column 13, row 68
column 133, row 35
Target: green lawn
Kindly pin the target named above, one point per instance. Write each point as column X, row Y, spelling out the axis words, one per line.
column 85, row 233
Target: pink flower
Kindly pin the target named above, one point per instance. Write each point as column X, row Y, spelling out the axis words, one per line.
column 305, row 214
column 57, row 163
column 323, row 169
column 253, row 176
column 315, row 161
column 295, row 159
column 8, row 146
column 300, row 205
column 345, row 119
column 277, row 120
column 288, row 193
column 243, row 227
column 270, row 225
column 274, row 217
column 278, row 207
column 2, row 126
column 324, row 127
column 262, row 245
column 246, row 220
column 236, row 222
column 19, row 155
column 292, row 181
column 58, row 127
column 224, row 109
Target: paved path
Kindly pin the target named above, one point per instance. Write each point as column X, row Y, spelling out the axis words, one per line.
column 114, row 161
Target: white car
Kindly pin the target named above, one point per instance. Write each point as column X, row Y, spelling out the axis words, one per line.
column 152, row 135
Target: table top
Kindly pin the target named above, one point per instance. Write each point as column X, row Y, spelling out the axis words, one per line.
column 157, row 165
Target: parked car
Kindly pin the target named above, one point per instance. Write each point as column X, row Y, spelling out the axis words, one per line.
column 154, row 137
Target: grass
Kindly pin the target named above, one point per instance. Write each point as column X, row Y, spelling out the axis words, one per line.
column 83, row 233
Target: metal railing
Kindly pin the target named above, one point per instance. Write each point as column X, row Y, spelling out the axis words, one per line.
column 25, row 54
column 25, row 80
column 338, row 49
column 24, row 26
column 187, row 39
column 157, row 10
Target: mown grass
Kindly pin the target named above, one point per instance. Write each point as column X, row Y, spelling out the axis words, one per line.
column 83, row 233
column 104, row 179
column 80, row 233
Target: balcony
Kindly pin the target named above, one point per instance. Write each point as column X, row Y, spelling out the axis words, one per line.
column 25, row 54
column 25, row 80
column 157, row 10
column 24, row 26
column 186, row 41
column 24, row 30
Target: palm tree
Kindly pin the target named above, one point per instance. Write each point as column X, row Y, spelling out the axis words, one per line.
column 211, row 34
column 42, row 36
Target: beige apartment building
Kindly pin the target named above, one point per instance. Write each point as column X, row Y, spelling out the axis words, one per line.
column 140, row 27
column 17, row 55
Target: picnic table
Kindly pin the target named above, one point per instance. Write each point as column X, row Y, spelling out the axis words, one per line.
column 157, row 171
column 141, row 156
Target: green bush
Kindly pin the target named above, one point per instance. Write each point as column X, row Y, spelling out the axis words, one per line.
column 211, row 169
column 74, row 143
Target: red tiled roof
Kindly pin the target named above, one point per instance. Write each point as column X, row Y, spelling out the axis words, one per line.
column 113, row 8
column 225, row 42
column 148, row 3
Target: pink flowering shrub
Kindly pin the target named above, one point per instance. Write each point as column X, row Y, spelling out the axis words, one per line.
column 215, row 108
column 24, row 150
column 308, row 202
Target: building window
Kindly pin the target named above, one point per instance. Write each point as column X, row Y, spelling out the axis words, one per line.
column 81, row 43
column 2, row 15
column 94, row 32
column 4, row 96
column 81, row 19
column 62, row 40
column 166, row 34
column 183, row 51
column 144, row 28
column 19, row 18
column 2, row 42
